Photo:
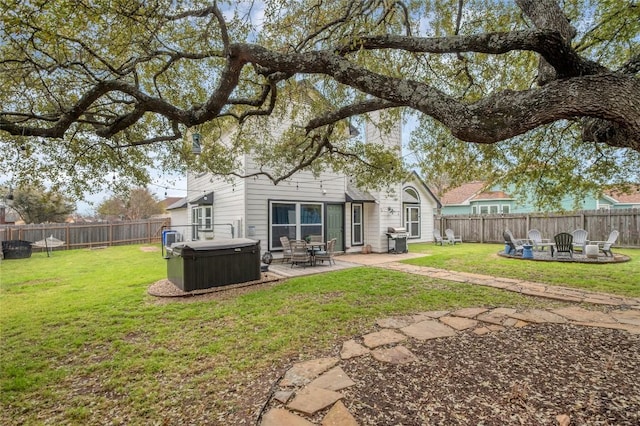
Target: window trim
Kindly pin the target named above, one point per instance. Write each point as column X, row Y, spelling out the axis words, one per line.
column 298, row 224
column 354, row 223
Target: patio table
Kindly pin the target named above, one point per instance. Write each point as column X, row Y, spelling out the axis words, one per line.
column 313, row 247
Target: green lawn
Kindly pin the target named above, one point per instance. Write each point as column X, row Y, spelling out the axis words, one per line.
column 615, row 278
column 83, row 343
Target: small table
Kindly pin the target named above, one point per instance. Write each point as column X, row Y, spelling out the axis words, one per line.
column 527, row 251
column 313, row 246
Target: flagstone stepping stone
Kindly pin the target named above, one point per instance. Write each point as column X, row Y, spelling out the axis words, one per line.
column 335, row 379
column 576, row 313
column 428, row 329
column 382, row 337
column 352, row 349
column 338, row 415
column 481, row 331
column 394, row 322
column 282, row 396
column 282, row 417
column 539, row 316
column 303, row 372
column 496, row 316
column 395, row 355
column 422, row 316
column 469, row 312
column 626, row 317
column 309, row 400
column 459, row 323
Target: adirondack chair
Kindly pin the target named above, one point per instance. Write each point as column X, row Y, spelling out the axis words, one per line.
column 437, row 237
column 537, row 241
column 606, row 246
column 515, row 246
column 451, row 238
column 564, row 243
column 580, row 239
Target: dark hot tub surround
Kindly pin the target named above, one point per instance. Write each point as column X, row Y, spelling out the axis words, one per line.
column 197, row 265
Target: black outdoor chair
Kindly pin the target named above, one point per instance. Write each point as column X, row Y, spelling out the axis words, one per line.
column 564, row 243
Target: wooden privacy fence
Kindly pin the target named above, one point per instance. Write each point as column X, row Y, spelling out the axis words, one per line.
column 598, row 223
column 77, row 235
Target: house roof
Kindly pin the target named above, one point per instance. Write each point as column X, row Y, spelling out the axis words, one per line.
column 358, row 195
column 180, row 204
column 623, row 198
column 491, row 195
column 462, row 194
column 415, row 176
column 169, row 201
column 205, row 199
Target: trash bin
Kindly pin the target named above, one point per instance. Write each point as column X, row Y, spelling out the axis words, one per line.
column 196, row 265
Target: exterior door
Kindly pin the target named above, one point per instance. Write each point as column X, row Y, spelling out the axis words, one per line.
column 412, row 221
column 335, row 224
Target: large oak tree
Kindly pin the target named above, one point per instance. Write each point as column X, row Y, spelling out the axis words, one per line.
column 539, row 92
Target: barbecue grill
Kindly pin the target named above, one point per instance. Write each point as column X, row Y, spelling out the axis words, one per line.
column 399, row 237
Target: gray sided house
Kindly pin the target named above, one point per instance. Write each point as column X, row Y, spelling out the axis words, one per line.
column 328, row 205
column 475, row 198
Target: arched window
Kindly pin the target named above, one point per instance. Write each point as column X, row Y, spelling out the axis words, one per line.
column 411, row 211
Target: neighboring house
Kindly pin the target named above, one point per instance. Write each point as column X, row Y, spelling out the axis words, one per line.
column 328, row 205
column 476, row 198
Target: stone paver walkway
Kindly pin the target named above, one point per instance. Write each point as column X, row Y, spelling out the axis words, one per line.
column 311, row 389
column 530, row 288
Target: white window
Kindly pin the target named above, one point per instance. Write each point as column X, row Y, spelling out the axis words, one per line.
column 484, row 209
column 506, row 208
column 474, row 210
column 493, row 209
column 412, row 221
column 202, row 222
column 294, row 220
column 357, row 231
column 202, row 217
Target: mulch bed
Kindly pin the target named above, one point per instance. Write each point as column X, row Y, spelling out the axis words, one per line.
column 525, row 376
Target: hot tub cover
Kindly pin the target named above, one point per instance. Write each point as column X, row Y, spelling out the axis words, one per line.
column 221, row 244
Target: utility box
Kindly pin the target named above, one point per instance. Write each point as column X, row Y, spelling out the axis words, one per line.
column 197, row 265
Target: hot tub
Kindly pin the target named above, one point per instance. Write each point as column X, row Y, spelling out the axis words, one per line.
column 196, row 265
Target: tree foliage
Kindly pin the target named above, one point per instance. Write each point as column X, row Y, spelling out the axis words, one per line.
column 35, row 204
column 139, row 203
column 533, row 92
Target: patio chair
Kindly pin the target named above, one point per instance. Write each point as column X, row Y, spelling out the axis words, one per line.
column 437, row 237
column 328, row 253
column 537, row 241
column 606, row 246
column 580, row 239
column 515, row 246
column 299, row 253
column 315, row 238
column 451, row 238
column 564, row 243
column 286, row 248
